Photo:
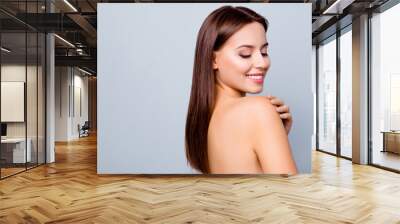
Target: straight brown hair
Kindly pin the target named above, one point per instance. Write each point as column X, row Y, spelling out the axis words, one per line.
column 216, row 29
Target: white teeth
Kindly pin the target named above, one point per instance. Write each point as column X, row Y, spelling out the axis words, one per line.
column 256, row 77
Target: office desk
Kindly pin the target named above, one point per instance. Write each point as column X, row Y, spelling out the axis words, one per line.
column 391, row 141
column 13, row 150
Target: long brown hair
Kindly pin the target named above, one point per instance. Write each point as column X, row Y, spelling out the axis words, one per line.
column 214, row 32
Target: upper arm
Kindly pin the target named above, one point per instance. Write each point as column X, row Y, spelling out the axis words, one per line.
column 269, row 138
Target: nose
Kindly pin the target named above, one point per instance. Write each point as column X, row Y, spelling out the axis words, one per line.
column 261, row 62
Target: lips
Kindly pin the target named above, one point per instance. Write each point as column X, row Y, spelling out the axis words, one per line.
column 255, row 76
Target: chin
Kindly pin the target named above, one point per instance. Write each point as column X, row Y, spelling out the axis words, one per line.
column 255, row 90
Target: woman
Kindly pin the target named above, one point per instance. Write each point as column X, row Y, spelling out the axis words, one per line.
column 227, row 131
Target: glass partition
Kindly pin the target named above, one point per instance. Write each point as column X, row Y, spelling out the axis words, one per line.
column 13, row 109
column 22, row 77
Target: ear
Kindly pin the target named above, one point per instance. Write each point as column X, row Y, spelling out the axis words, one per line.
column 214, row 61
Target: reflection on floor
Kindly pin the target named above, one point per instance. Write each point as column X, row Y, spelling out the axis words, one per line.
column 386, row 159
column 10, row 169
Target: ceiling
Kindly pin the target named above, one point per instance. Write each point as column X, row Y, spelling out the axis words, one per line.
column 76, row 22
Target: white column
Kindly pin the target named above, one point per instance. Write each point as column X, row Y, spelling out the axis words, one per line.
column 50, row 92
column 360, row 90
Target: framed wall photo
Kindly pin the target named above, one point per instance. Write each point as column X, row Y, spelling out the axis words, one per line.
column 146, row 59
column 12, row 101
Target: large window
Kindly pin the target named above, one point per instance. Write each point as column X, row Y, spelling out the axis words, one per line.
column 335, row 73
column 346, row 92
column 327, row 95
column 385, row 88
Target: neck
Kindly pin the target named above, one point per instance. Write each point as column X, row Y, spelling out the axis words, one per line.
column 225, row 93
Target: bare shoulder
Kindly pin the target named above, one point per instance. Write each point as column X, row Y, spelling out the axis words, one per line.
column 253, row 109
column 261, row 115
column 256, row 104
column 247, row 114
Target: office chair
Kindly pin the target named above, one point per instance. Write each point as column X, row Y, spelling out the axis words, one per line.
column 84, row 130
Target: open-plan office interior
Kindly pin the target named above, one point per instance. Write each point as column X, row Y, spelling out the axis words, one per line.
column 30, row 58
column 49, row 123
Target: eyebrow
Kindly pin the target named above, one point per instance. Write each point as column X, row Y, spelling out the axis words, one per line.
column 251, row 46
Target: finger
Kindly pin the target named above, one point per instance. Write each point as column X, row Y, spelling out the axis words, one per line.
column 277, row 102
column 285, row 116
column 283, row 109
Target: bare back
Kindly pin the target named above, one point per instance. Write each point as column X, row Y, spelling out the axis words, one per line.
column 246, row 136
column 229, row 149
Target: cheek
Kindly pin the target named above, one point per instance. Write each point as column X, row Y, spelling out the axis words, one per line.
column 234, row 65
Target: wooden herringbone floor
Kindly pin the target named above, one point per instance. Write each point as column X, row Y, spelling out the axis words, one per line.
column 70, row 191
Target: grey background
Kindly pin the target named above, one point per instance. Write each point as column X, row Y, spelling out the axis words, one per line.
column 145, row 61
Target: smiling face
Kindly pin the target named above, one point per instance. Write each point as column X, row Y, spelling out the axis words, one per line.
column 242, row 62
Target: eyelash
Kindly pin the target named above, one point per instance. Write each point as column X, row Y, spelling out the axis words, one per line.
column 247, row 56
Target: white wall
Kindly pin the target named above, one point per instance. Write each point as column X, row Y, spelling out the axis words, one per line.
column 33, row 126
column 79, row 117
column 61, row 103
column 12, row 73
column 67, row 115
column 15, row 72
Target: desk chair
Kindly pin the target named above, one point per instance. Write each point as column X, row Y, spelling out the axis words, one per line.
column 84, row 130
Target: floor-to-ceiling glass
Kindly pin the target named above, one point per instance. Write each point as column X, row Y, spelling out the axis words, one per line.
column 22, row 87
column 346, row 92
column 327, row 95
column 385, row 88
column 14, row 153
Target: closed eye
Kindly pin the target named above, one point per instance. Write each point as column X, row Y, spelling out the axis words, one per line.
column 248, row 56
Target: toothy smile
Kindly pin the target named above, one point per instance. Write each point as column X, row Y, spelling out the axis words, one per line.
column 258, row 77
